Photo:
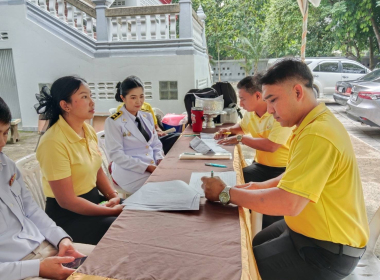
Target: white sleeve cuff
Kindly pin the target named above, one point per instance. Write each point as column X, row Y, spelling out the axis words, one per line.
column 30, row 268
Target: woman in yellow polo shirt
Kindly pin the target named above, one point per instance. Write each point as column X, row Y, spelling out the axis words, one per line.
column 70, row 162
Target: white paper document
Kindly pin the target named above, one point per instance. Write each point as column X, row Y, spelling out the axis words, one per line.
column 228, row 177
column 205, row 146
column 164, row 196
column 207, row 135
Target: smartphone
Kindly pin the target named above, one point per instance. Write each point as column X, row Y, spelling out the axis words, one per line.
column 76, row 263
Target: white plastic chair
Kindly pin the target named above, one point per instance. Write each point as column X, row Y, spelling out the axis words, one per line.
column 31, row 174
column 112, row 111
column 368, row 267
column 106, row 161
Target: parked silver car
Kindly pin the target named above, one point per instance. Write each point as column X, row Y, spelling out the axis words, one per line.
column 328, row 71
column 364, row 103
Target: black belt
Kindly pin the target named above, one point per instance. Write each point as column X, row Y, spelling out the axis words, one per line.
column 340, row 249
column 301, row 241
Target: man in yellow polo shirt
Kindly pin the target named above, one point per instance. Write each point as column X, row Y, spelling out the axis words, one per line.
column 325, row 230
column 259, row 130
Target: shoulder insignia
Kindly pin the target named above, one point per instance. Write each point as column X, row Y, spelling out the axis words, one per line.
column 116, row 115
column 144, row 115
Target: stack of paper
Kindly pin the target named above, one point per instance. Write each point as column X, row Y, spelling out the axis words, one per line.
column 228, row 177
column 205, row 146
column 164, row 196
column 207, row 135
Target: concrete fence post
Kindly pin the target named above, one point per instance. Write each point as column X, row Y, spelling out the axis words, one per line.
column 185, row 19
column 102, row 22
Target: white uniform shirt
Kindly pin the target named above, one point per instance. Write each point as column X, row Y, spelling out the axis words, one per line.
column 128, row 149
column 23, row 225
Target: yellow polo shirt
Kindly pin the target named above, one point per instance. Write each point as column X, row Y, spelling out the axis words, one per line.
column 322, row 167
column 63, row 153
column 146, row 108
column 267, row 127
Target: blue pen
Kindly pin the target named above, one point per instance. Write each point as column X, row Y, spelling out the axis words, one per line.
column 216, row 165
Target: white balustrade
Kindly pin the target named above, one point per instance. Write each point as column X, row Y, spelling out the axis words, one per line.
column 70, row 14
column 90, row 26
column 173, row 26
column 79, row 17
column 61, row 10
column 127, row 23
column 124, row 29
column 52, row 9
column 197, row 32
column 43, row 4
column 114, row 29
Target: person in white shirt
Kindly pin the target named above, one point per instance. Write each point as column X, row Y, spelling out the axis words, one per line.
column 31, row 245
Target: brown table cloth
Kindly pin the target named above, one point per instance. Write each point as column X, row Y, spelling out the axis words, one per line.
column 212, row 243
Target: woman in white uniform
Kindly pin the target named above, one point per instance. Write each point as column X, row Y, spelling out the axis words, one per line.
column 131, row 139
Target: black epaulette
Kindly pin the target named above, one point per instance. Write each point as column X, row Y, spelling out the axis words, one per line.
column 116, row 115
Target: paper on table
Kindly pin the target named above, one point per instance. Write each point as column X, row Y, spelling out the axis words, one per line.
column 228, row 177
column 207, row 135
column 164, row 196
column 205, row 146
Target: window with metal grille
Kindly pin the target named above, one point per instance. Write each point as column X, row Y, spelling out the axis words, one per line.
column 168, row 90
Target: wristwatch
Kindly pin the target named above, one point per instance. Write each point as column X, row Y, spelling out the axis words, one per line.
column 239, row 137
column 224, row 196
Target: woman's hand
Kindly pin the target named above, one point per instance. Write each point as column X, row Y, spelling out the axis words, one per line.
column 113, row 201
column 159, row 161
column 117, row 209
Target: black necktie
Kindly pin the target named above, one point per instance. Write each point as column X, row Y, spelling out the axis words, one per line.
column 142, row 130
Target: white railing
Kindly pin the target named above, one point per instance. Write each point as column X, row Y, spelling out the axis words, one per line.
column 176, row 24
column 197, row 29
column 78, row 14
column 143, row 23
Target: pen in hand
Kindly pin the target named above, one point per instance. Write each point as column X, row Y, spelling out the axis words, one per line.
column 212, row 174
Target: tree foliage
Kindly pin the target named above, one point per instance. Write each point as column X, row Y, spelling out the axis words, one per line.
column 250, row 29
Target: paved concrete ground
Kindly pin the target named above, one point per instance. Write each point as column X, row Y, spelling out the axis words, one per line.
column 368, row 156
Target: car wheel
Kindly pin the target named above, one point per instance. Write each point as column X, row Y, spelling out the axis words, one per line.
column 316, row 91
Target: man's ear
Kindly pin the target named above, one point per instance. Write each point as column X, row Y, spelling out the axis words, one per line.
column 299, row 91
column 258, row 95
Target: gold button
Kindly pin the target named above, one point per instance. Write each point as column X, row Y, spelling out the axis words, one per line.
column 147, row 154
column 123, row 120
column 152, row 161
column 147, row 147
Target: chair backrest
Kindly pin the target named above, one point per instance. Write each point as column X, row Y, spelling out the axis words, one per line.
column 102, row 148
column 374, row 228
column 31, row 174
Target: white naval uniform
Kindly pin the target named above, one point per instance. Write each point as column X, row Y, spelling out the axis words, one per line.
column 129, row 151
column 23, row 225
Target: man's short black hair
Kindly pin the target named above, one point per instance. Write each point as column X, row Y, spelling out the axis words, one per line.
column 5, row 113
column 287, row 69
column 251, row 84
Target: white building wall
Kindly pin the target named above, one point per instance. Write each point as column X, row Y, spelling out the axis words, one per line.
column 41, row 57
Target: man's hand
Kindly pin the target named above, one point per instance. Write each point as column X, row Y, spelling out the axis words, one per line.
column 52, row 268
column 220, row 135
column 212, row 187
column 250, row 186
column 228, row 141
column 151, row 168
column 66, row 249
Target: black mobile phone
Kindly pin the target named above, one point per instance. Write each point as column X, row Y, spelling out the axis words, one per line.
column 76, row 263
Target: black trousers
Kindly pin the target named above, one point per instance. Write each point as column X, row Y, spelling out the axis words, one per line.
column 82, row 229
column 279, row 256
column 257, row 172
column 168, row 141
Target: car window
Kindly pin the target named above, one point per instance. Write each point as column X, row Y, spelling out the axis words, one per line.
column 316, row 69
column 353, row 68
column 329, row 67
column 371, row 76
